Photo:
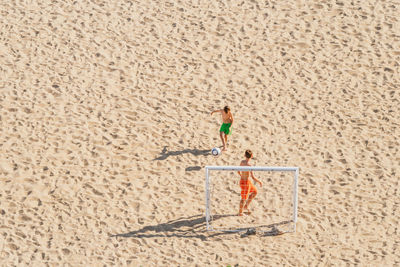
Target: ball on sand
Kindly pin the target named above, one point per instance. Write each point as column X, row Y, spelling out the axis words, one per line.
column 216, row 151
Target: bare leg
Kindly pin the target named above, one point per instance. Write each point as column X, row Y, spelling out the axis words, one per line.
column 223, row 140
column 226, row 139
column 251, row 197
column 242, row 201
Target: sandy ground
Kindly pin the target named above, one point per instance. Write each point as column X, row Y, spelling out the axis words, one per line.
column 105, row 131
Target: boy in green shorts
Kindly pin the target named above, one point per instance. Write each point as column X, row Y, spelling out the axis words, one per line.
column 227, row 120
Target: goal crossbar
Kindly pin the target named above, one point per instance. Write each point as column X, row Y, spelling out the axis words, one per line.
column 250, row 168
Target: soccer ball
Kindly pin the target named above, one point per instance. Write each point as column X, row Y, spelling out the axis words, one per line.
column 216, row 151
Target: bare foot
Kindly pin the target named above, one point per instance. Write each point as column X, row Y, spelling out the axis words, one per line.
column 248, row 212
column 240, row 214
column 224, row 149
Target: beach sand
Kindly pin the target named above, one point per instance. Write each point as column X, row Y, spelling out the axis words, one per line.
column 105, row 130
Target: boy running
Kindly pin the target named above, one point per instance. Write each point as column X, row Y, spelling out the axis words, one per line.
column 227, row 120
column 248, row 190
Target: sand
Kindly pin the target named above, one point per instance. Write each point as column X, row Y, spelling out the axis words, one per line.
column 106, row 129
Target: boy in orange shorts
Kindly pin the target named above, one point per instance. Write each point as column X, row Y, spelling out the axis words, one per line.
column 248, row 190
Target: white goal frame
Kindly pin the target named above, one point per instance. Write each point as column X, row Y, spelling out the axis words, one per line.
column 250, row 168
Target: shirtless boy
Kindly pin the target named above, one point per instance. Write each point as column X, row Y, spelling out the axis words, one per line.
column 248, row 190
column 227, row 120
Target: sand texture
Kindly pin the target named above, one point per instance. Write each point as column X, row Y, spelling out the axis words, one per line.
column 105, row 130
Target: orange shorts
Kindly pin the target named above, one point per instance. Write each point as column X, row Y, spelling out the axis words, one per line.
column 247, row 188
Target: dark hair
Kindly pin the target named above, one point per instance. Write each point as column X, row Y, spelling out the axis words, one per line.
column 248, row 153
column 227, row 109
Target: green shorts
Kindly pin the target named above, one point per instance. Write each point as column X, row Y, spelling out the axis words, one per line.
column 225, row 127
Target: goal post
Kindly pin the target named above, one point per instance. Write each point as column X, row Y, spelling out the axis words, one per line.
column 208, row 185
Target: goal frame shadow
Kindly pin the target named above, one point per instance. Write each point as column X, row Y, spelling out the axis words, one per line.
column 272, row 228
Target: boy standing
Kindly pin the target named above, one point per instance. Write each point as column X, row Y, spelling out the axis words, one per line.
column 227, row 120
column 248, row 190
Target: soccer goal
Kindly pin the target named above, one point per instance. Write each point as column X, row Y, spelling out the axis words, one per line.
column 275, row 205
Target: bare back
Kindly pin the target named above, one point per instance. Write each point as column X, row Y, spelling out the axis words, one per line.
column 244, row 174
column 226, row 117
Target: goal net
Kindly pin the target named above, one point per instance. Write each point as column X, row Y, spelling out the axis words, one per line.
column 273, row 209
